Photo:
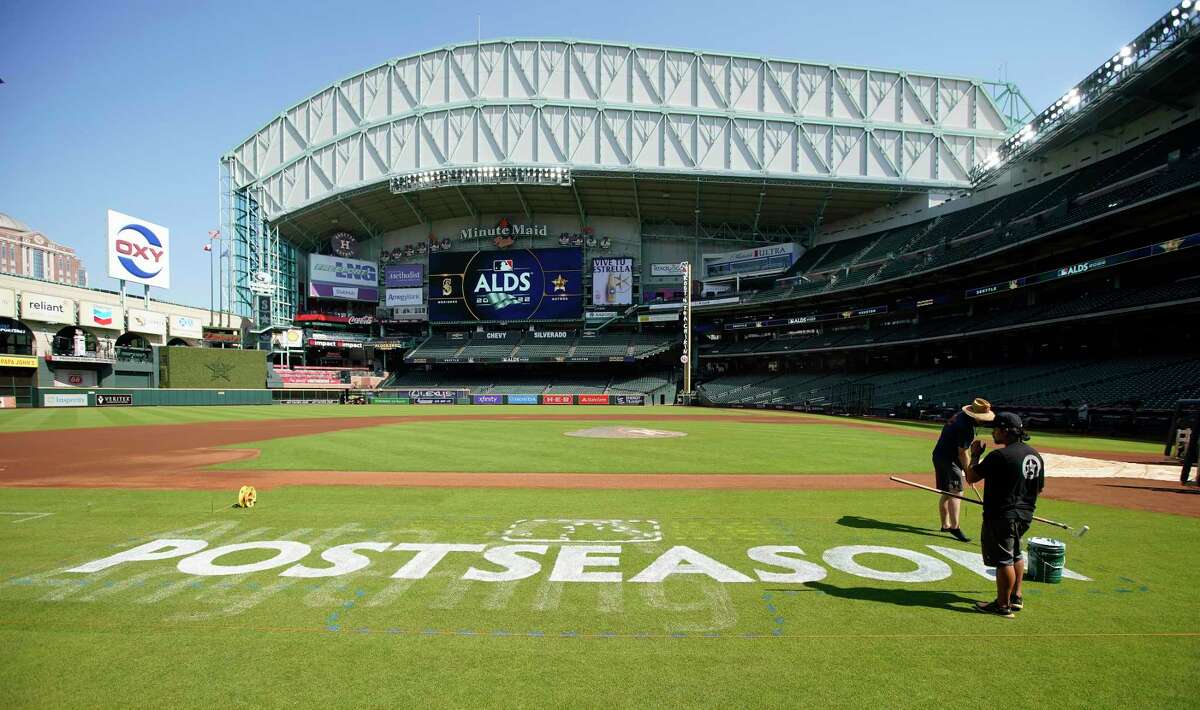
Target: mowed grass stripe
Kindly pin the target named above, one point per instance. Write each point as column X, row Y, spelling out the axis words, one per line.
column 543, row 447
column 75, row 418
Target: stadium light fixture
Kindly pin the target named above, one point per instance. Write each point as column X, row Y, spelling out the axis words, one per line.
column 1160, row 37
column 485, row 175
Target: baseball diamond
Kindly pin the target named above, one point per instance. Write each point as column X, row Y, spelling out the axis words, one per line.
column 550, row 372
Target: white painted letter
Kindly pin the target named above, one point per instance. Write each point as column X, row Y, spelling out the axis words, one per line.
column 516, row 567
column 427, row 557
column 157, row 550
column 572, row 559
column 929, row 569
column 344, row 558
column 802, row 571
column 202, row 563
column 974, row 562
column 684, row 560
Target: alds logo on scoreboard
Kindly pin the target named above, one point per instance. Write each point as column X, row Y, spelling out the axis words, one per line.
column 512, row 285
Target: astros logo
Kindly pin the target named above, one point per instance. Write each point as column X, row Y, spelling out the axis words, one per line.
column 147, row 255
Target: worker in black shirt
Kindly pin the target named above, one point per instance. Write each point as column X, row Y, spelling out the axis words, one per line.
column 950, row 459
column 1013, row 476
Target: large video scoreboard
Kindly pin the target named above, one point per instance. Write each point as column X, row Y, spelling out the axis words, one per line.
column 515, row 284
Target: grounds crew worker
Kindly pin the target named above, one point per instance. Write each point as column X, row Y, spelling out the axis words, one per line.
column 1013, row 476
column 950, row 459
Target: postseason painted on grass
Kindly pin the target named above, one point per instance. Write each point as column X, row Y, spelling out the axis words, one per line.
column 572, row 562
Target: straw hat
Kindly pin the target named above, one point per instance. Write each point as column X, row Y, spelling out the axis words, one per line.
column 980, row 410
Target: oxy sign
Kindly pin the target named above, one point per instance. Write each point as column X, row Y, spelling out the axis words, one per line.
column 138, row 251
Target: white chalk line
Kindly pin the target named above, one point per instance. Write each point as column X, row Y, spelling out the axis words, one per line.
column 28, row 516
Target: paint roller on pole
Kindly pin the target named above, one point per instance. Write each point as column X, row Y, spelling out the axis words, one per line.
column 1078, row 533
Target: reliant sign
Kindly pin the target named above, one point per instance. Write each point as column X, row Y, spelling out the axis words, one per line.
column 138, row 251
column 47, row 309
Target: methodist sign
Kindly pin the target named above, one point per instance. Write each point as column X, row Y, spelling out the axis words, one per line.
column 138, row 251
column 404, row 275
column 517, row 284
column 343, row 279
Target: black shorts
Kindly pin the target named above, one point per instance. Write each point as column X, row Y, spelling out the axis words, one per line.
column 949, row 475
column 1001, row 541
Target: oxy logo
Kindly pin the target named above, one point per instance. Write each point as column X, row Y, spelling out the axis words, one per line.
column 140, row 251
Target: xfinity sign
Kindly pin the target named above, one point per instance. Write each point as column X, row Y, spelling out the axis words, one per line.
column 138, row 251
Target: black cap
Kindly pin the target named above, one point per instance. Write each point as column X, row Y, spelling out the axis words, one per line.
column 1010, row 422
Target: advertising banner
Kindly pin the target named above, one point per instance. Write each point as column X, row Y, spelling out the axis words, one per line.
column 772, row 259
column 593, row 399
column 292, row 339
column 8, row 303
column 675, row 270
column 74, row 378
column 185, row 327
column 522, row 399
column 18, row 361
column 47, row 309
column 64, row 400
column 138, row 251
column 517, row 284
column 612, row 282
column 146, row 322
column 558, row 399
column 433, row 396
column 403, row 297
column 410, row 314
column 487, row 399
column 404, row 275
column 344, row 279
column 101, row 315
column 114, row 400
column 637, row 399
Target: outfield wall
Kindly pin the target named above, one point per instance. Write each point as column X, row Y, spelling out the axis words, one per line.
column 208, row 368
column 133, row 397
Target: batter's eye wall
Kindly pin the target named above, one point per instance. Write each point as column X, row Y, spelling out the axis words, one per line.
column 208, row 368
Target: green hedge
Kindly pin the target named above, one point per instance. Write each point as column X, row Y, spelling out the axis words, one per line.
column 207, row 368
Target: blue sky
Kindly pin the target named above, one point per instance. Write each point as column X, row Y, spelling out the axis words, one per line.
column 129, row 105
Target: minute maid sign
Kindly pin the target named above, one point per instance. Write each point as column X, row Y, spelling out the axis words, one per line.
column 138, row 251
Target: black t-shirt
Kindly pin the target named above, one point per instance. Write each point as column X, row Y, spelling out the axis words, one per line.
column 958, row 433
column 1013, row 478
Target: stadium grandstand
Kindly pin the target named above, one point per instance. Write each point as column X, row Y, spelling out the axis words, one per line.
column 512, row 217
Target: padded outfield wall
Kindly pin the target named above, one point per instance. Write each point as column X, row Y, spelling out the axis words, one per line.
column 209, row 368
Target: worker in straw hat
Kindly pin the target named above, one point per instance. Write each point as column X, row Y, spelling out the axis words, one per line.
column 950, row 459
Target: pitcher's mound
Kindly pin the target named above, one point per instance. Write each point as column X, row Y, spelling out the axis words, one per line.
column 625, row 432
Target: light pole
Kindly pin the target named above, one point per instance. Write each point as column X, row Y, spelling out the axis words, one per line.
column 213, row 234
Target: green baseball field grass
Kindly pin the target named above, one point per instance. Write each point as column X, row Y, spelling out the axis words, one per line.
column 616, row 598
